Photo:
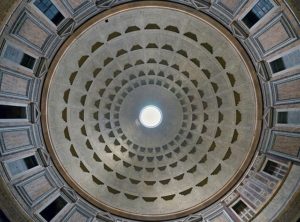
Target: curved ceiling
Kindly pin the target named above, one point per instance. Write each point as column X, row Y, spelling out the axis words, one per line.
column 185, row 65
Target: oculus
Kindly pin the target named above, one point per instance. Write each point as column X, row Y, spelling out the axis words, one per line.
column 150, row 116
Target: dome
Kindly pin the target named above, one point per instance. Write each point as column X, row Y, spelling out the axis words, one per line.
column 150, row 111
column 180, row 65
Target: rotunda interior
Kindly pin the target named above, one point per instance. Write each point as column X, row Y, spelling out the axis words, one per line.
column 123, row 111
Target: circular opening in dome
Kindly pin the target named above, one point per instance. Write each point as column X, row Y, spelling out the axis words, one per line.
column 150, row 116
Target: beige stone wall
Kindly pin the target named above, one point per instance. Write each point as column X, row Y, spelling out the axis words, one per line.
column 291, row 212
column 9, row 204
column 6, row 9
column 295, row 6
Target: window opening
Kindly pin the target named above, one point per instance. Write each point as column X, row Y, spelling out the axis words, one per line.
column 12, row 112
column 49, row 9
column 15, row 55
column 275, row 169
column 261, row 8
column 244, row 212
column 21, row 165
column 289, row 117
column 53, row 209
column 288, row 61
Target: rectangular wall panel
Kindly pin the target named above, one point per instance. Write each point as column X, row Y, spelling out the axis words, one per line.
column 14, row 139
column 32, row 32
column 287, row 90
column 285, row 144
column 15, row 85
column 273, row 36
column 276, row 34
column 36, row 188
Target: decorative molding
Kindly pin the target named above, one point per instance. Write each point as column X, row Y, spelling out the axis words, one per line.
column 268, row 117
column 66, row 27
column 200, row 4
column 44, row 156
column 35, row 113
column 70, row 193
column 228, row 11
column 105, row 216
column 238, row 31
column 82, row 8
column 105, row 4
column 78, row 211
column 262, row 71
column 194, row 218
column 252, row 51
column 41, row 67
